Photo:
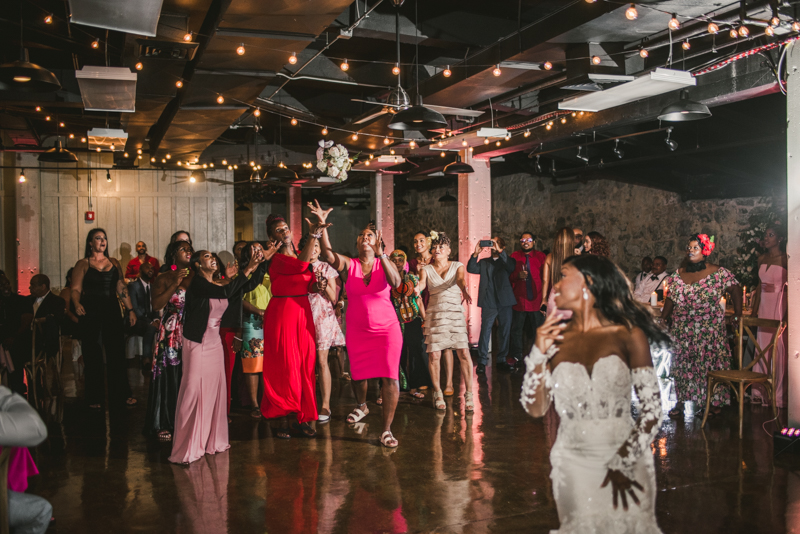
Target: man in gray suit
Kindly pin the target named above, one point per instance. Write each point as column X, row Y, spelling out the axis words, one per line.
column 495, row 299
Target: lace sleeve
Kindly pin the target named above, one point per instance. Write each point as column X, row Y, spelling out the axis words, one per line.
column 645, row 384
column 536, row 395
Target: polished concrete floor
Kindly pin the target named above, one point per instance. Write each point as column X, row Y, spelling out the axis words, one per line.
column 452, row 473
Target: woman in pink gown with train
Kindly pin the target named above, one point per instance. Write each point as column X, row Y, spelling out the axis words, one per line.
column 374, row 339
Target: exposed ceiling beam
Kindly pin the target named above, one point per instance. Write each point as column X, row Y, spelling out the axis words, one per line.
column 265, row 34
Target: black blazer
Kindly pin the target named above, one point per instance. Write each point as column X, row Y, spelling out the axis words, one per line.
column 139, row 301
column 232, row 318
column 197, row 308
column 495, row 289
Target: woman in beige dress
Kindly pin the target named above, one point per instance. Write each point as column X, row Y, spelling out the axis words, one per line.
column 445, row 324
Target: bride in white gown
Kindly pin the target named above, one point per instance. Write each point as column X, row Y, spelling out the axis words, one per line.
column 601, row 457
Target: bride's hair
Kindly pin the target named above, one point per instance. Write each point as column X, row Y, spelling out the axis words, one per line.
column 613, row 297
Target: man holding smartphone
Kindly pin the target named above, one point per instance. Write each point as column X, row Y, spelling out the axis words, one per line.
column 527, row 282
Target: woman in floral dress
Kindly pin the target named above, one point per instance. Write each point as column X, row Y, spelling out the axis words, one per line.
column 328, row 332
column 698, row 325
column 254, row 304
column 169, row 293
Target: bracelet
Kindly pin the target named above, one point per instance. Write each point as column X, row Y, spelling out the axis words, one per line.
column 318, row 235
column 385, row 255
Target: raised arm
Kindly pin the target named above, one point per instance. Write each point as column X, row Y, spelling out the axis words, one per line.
column 462, row 284
column 389, row 268
column 77, row 285
column 546, row 277
column 164, row 286
column 536, row 395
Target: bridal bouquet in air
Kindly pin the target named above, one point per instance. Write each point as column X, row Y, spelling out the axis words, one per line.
column 333, row 160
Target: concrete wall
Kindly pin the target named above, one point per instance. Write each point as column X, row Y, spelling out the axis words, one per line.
column 137, row 205
column 425, row 213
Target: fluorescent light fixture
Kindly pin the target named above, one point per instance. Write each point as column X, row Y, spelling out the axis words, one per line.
column 107, row 88
column 492, row 132
column 105, row 137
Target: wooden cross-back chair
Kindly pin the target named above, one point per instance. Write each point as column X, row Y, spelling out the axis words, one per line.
column 38, row 369
column 739, row 380
column 4, row 458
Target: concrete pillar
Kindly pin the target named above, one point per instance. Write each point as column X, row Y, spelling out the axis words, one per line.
column 28, row 214
column 793, row 237
column 474, row 224
column 381, row 205
column 294, row 212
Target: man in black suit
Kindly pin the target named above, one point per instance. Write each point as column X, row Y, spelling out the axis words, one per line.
column 146, row 319
column 495, row 299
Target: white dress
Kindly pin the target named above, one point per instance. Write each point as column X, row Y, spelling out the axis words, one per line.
column 596, row 433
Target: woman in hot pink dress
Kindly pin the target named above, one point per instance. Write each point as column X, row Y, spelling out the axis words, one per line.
column 374, row 339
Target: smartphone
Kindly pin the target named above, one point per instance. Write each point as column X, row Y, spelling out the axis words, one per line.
column 486, row 243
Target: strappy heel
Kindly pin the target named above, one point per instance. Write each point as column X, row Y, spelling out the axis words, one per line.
column 469, row 402
column 438, row 401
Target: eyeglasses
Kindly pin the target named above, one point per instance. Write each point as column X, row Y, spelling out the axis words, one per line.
column 578, row 236
column 526, row 240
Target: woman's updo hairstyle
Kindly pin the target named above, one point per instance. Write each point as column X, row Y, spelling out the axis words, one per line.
column 272, row 221
column 195, row 261
column 440, row 239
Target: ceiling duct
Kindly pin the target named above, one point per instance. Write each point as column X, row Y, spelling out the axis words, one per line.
column 655, row 83
column 107, row 88
column 105, row 137
column 140, row 17
column 159, row 49
column 597, row 82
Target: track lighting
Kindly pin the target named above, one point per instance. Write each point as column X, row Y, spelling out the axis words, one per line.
column 496, row 71
column 344, row 66
column 671, row 143
column 617, row 150
column 674, row 23
column 22, row 178
column 713, row 28
column 240, row 49
column 631, row 13
column 293, row 59
column 108, row 175
column 447, row 72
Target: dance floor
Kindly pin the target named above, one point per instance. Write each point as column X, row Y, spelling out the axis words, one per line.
column 452, row 473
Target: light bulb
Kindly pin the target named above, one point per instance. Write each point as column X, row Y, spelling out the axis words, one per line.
column 83, row 139
column 713, row 28
column 643, row 52
column 527, row 133
column 631, row 13
column 775, row 21
column 293, row 59
column 179, row 84
column 795, row 26
column 205, row 165
column 211, row 164
column 138, row 150
column 563, row 120
column 391, row 151
column 179, row 163
column 125, row 155
column 442, row 154
column 235, row 167
column 22, row 178
column 471, row 149
column 447, row 72
column 354, row 137
column 38, row 108
column 440, row 144
column 674, row 23
column 48, row 19
column 743, row 31
column 112, row 147
column 230, row 167
column 733, row 33
column 294, row 121
column 168, row 156
column 139, row 66
column 152, row 160
column 366, row 163
column 486, row 141
column 508, row 137
column 72, row 136
column 108, row 176
column 412, row 144
column 96, row 44
column 596, row 60
column 187, row 36
column 325, row 131
column 257, row 112
column 240, row 49
column 769, row 31
column 47, row 118
column 497, row 143
column 548, row 126
column 464, row 142
column 396, row 69
column 386, row 141
column 547, row 65
column 140, row 157
column 344, row 66
column 61, row 125
column 224, row 161
column 192, row 179
column 98, row 149
column 686, row 45
column 496, row 71
column 164, row 161
column 371, row 156
column 220, row 99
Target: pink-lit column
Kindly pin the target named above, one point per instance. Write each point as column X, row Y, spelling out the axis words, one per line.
column 28, row 216
column 793, row 237
column 474, row 224
column 294, row 209
column 381, row 188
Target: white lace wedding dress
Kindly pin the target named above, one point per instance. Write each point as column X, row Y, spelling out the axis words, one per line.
column 596, row 433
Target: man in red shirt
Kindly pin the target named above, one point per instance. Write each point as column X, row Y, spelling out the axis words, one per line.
column 132, row 271
column 526, row 280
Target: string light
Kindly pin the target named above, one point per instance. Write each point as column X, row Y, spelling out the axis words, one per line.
column 205, row 165
column 235, row 167
column 187, row 37
column 220, row 99
column 386, row 141
column 547, row 65
column 354, row 137
column 497, row 143
column 108, row 175
column 596, row 60
column 47, row 118
column 447, row 72
column 61, row 125
column 396, row 69
column 38, row 108
column 486, row 141
column 140, row 157
column 563, row 120
column 471, row 149
column 775, row 21
column 98, row 149
column 22, row 178
column 139, row 66
column 366, row 163
column 164, row 161
column 371, row 156
column 496, row 71
column 442, row 154
column 240, row 49
column 72, row 136
column 96, row 44
column 179, row 84
column 293, row 59
column 152, row 160
column 412, row 145
column 344, row 66
column 113, row 147
column 643, row 52
column 686, row 45
column 795, row 26
column 713, row 28
column 48, row 19
column 508, row 137
column 548, row 126
column 744, row 31
column 138, row 150
column 83, row 139
column 230, row 167
column 733, row 33
column 211, row 164
column 464, row 142
column 325, row 131
column 440, row 144
column 674, row 23
column 769, row 32
column 294, row 121
column 527, row 133
column 391, row 151
column 631, row 13
column 168, row 156
column 573, row 113
column 257, row 112
column 192, row 179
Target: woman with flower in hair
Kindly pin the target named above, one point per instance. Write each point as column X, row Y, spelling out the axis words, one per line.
column 698, row 325
column 445, row 324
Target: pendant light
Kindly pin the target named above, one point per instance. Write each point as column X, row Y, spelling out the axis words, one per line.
column 58, row 154
column 447, row 198
column 684, row 110
column 458, row 167
column 282, row 174
column 25, row 76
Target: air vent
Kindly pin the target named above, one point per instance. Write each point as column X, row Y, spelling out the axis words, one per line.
column 139, row 17
column 106, row 137
column 156, row 49
column 107, row 88
column 655, row 83
column 597, row 82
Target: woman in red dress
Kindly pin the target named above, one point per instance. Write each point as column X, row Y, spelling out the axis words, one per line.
column 289, row 335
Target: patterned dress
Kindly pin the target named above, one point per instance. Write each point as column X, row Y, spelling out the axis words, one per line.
column 329, row 333
column 253, row 328
column 167, row 369
column 698, row 332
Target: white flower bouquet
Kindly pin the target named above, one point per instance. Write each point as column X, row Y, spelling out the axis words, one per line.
column 333, row 160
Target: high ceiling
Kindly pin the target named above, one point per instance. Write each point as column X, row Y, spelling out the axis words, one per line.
column 469, row 37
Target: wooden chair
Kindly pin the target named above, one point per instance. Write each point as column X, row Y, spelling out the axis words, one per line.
column 4, row 457
column 38, row 368
column 745, row 377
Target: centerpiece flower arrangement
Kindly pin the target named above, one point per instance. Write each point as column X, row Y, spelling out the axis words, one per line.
column 333, row 160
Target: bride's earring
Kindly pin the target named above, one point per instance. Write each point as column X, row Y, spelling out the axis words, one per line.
column 585, row 294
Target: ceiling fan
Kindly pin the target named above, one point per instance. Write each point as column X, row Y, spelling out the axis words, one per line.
column 398, row 99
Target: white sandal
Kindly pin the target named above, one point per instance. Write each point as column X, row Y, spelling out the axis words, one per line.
column 388, row 440
column 358, row 414
column 438, row 400
column 469, row 403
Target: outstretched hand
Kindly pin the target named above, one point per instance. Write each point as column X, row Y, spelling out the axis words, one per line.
column 313, row 228
column 550, row 332
column 272, row 248
column 377, row 246
column 621, row 486
column 317, row 210
column 231, row 269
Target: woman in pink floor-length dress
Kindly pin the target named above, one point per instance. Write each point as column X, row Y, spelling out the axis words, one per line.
column 201, row 421
column 770, row 303
column 374, row 339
